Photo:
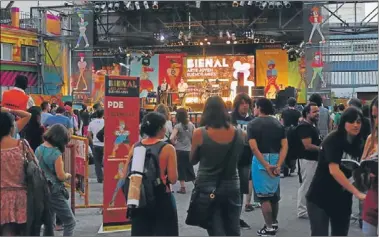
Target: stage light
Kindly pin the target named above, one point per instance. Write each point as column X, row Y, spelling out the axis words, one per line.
column 235, row 4
column 271, row 5
column 272, row 41
column 162, row 38
column 103, row 7
column 189, row 35
column 257, row 3
column 117, row 6
column 250, row 3
column 155, row 5
column 209, row 43
column 180, row 36
column 198, row 4
column 287, row 4
column 137, row 5
column 128, row 4
column 227, row 34
column 262, row 5
column 228, row 42
column 185, row 38
column 242, row 3
column 279, row 5
column 201, row 43
column 97, row 8
column 234, row 36
column 110, row 6
column 235, row 42
column 146, row 4
column 256, row 40
column 205, row 39
column 221, row 34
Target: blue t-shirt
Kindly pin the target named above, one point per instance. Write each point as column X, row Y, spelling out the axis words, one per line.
column 45, row 116
column 58, row 119
column 46, row 157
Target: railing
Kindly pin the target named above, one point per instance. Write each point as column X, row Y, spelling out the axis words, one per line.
column 75, row 159
column 26, row 21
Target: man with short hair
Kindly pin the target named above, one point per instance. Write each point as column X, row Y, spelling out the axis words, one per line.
column 45, row 106
column 60, row 118
column 98, row 147
column 325, row 123
column 268, row 142
column 16, row 98
column 310, row 138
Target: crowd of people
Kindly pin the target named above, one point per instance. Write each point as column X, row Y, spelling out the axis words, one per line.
column 240, row 155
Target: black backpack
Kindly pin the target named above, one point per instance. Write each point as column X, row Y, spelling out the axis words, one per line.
column 152, row 184
column 295, row 145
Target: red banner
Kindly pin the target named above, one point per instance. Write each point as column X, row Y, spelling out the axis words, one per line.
column 171, row 68
column 121, row 132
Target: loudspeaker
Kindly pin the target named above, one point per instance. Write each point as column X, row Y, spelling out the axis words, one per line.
column 242, row 89
column 258, row 91
column 281, row 99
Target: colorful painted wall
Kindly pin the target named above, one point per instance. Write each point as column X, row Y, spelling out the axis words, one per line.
column 56, row 72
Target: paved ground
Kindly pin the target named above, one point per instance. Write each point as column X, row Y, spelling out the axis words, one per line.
column 89, row 220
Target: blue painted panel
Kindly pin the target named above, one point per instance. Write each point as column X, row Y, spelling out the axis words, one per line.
column 346, row 37
column 352, row 66
column 52, row 81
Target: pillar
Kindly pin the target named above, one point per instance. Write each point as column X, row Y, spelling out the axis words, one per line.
column 15, row 16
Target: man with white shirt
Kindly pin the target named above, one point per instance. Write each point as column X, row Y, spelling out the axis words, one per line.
column 45, row 107
column 98, row 147
column 182, row 90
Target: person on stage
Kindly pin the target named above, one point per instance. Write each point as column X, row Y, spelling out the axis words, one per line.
column 182, row 89
column 164, row 91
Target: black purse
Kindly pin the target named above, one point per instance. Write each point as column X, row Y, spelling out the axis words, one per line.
column 202, row 201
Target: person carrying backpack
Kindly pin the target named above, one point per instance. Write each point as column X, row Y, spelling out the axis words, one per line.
column 156, row 213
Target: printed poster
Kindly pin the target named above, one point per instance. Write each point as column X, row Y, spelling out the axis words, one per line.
column 297, row 79
column 121, row 132
column 147, row 70
column 171, row 69
column 272, row 71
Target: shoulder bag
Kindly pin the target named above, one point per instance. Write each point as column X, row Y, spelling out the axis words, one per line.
column 202, row 202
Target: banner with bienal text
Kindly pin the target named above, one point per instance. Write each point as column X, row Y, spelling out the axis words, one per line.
column 121, row 131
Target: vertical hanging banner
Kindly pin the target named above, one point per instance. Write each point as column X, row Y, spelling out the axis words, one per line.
column 81, row 63
column 121, row 132
column 272, row 71
column 317, row 50
column 146, row 68
column 297, row 79
column 171, row 69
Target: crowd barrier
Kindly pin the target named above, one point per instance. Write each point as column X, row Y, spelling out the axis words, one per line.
column 76, row 163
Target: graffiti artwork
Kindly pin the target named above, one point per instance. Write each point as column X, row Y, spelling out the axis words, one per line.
column 317, row 66
column 316, row 20
column 82, row 30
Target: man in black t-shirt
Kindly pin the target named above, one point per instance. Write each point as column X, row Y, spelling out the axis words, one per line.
column 240, row 118
column 269, row 145
column 311, row 140
column 290, row 117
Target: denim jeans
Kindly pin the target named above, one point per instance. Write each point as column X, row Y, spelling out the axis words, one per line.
column 98, row 154
column 61, row 208
column 319, row 221
column 369, row 230
column 227, row 210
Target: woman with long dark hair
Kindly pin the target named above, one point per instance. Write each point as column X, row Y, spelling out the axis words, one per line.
column 181, row 137
column 34, row 130
column 329, row 198
column 50, row 159
column 217, row 146
column 13, row 190
column 370, row 205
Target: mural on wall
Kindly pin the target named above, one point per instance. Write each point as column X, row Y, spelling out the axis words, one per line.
column 315, row 51
column 82, row 30
column 272, row 71
column 146, row 68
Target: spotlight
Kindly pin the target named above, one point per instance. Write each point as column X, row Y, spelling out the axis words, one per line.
column 189, row 35
column 235, row 4
column 234, row 36
column 242, row 3
column 162, row 38
column 228, row 42
column 263, row 5
column 256, row 40
column 103, row 7
column 201, row 43
column 117, row 6
column 146, row 4
column 110, row 6
column 198, row 4
column 97, row 8
column 228, row 34
column 155, row 5
column 235, row 42
column 257, row 3
column 209, row 43
column 220, row 34
column 205, row 39
column 180, row 36
column 279, row 5
column 137, row 5
column 287, row 4
column 128, row 4
column 272, row 41
column 271, row 5
column 250, row 3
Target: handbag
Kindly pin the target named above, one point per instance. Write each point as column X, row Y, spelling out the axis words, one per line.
column 61, row 187
column 202, row 202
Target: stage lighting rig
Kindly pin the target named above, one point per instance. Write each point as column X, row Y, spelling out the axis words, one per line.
column 235, row 4
column 155, row 5
column 262, row 5
column 271, row 5
column 286, row 4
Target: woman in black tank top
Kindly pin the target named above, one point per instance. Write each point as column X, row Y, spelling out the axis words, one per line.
column 217, row 146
